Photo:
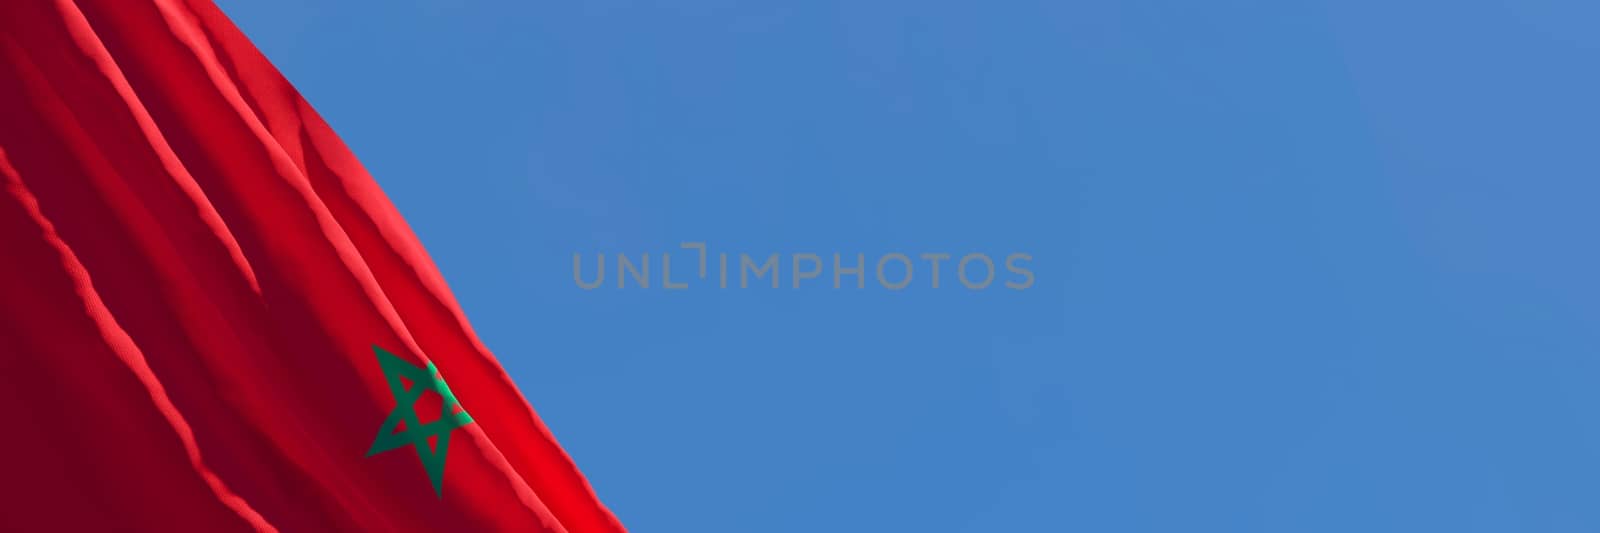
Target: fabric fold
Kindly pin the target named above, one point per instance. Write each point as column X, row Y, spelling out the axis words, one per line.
column 197, row 276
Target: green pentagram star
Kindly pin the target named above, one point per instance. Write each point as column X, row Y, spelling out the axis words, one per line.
column 407, row 382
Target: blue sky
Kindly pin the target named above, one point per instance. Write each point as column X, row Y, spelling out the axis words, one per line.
column 1301, row 266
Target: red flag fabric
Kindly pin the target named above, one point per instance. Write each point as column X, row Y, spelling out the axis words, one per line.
column 214, row 320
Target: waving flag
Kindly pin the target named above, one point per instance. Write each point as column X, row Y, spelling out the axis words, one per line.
column 211, row 318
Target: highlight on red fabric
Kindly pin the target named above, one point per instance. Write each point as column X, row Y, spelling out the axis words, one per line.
column 212, row 319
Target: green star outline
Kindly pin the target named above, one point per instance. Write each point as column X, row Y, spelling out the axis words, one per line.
column 416, row 434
